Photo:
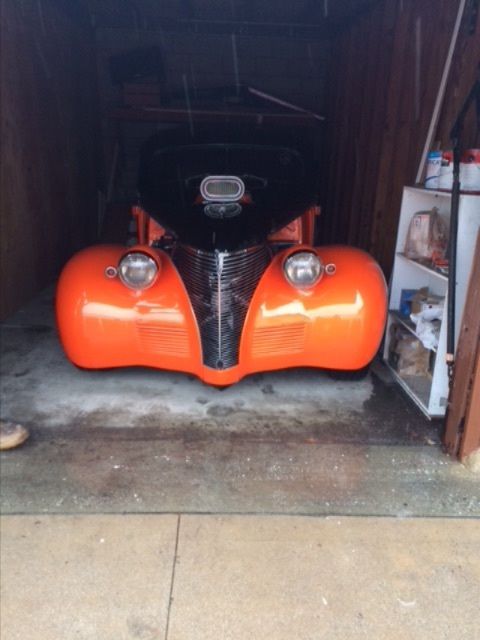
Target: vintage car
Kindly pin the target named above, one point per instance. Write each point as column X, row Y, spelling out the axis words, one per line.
column 225, row 279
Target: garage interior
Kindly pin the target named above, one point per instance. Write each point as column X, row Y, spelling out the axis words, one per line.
column 146, row 504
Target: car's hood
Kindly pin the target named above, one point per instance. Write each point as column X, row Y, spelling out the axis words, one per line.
column 279, row 170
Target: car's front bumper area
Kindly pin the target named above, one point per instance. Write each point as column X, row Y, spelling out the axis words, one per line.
column 338, row 324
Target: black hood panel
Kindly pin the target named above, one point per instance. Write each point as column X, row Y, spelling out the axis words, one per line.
column 278, row 167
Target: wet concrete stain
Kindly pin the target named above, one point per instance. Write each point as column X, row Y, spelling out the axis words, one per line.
column 138, row 440
column 220, row 411
column 20, row 374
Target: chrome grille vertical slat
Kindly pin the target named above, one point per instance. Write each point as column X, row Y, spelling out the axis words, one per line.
column 220, row 285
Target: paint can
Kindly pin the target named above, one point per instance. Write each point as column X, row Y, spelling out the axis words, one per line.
column 470, row 170
column 434, row 162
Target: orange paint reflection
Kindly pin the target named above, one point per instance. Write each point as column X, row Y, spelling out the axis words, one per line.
column 297, row 308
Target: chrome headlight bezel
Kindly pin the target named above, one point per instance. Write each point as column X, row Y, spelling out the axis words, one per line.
column 305, row 260
column 135, row 260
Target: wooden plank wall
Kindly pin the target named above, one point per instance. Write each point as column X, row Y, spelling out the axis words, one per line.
column 462, row 424
column 49, row 124
column 465, row 69
column 383, row 84
column 471, row 439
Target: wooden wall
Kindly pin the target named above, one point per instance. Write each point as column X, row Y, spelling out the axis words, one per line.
column 383, row 84
column 465, row 70
column 49, row 124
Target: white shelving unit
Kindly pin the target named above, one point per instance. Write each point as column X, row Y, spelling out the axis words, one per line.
column 431, row 393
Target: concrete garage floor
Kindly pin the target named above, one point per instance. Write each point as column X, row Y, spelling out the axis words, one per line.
column 142, row 441
column 147, row 505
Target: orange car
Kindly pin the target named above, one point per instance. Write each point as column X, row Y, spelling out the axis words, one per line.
column 225, row 279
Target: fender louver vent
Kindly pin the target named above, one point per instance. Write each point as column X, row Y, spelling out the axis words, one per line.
column 220, row 285
column 278, row 341
column 169, row 341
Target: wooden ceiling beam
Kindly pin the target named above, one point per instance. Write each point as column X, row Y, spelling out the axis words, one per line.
column 247, row 28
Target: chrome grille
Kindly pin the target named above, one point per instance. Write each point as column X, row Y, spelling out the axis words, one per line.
column 220, row 285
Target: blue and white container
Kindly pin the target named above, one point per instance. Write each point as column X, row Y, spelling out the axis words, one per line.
column 434, row 164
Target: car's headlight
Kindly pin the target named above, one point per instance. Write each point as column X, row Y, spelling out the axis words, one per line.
column 303, row 269
column 137, row 270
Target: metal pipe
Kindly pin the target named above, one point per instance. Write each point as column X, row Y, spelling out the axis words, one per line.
column 452, row 258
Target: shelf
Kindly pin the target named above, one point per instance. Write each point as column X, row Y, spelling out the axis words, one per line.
column 163, row 114
column 446, row 193
column 405, row 322
column 417, row 387
column 423, row 267
column 418, row 188
column 430, row 393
